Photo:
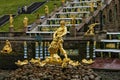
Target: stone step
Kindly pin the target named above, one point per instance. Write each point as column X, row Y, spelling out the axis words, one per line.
column 113, row 40
column 108, row 50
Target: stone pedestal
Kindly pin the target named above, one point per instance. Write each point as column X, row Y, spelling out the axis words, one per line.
column 84, row 18
column 38, row 22
column 11, row 29
column 25, row 29
column 91, row 13
column 55, row 6
column 63, row 4
column 73, row 31
column 46, row 15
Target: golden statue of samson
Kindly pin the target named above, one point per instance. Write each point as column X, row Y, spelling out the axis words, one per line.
column 54, row 58
column 57, row 43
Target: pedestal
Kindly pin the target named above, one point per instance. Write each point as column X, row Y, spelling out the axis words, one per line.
column 46, row 15
column 11, row 29
column 55, row 7
column 73, row 31
column 91, row 13
column 38, row 22
column 63, row 4
column 25, row 29
column 84, row 17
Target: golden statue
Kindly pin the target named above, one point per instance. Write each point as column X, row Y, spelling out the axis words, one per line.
column 37, row 16
column 35, row 60
column 21, row 63
column 57, row 43
column 73, row 21
column 99, row 3
column 90, row 61
column 92, row 7
column 90, row 31
column 25, row 21
column 11, row 20
column 46, row 10
column 7, row 48
column 110, row 45
column 62, row 1
column 78, row 10
column 68, row 61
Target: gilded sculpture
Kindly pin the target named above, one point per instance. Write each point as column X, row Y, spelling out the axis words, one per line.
column 21, row 63
column 11, row 20
column 92, row 7
column 46, row 10
column 7, row 48
column 63, row 2
column 85, row 61
column 25, row 21
column 90, row 31
column 57, row 43
column 73, row 20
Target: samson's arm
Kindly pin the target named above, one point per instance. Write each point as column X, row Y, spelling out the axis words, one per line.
column 64, row 32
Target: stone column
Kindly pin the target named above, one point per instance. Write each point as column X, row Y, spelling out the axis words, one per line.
column 25, row 29
column 84, row 18
column 55, row 6
column 99, row 4
column 73, row 31
column 46, row 11
column 11, row 28
column 101, row 20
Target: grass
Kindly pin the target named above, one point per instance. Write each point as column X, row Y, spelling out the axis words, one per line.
column 11, row 6
column 18, row 21
column 50, row 4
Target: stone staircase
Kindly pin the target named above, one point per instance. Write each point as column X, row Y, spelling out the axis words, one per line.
column 107, row 55
column 79, row 9
column 110, row 47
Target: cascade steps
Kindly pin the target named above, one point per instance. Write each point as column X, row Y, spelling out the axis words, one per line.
column 111, row 40
column 108, row 57
column 65, row 14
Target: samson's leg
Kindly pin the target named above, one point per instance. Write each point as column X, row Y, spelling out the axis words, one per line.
column 62, row 50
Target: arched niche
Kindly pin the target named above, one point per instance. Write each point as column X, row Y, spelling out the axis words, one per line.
column 110, row 15
column 104, row 19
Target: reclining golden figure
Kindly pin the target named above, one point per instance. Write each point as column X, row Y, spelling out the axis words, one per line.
column 7, row 48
